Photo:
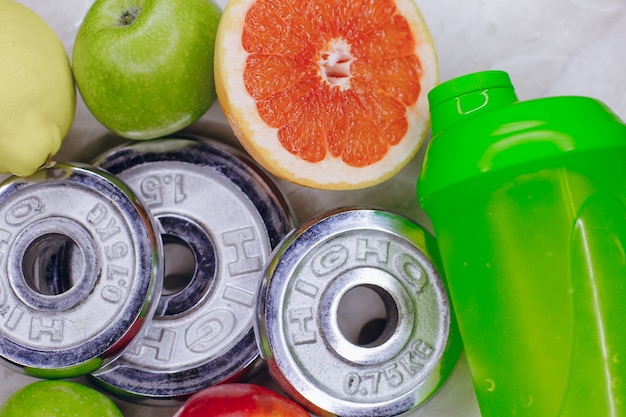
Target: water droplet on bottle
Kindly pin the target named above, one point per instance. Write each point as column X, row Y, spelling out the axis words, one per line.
column 616, row 382
column 490, row 384
column 527, row 400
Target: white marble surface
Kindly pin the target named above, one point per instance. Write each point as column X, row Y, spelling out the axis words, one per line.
column 555, row 47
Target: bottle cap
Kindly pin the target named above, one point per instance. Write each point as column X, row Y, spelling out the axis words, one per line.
column 460, row 98
column 480, row 127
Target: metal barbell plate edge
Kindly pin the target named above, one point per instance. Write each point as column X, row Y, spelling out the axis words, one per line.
column 161, row 383
column 287, row 323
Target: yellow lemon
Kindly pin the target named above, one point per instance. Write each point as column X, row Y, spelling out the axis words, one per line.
column 37, row 93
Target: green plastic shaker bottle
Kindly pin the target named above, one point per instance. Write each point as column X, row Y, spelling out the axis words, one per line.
column 528, row 204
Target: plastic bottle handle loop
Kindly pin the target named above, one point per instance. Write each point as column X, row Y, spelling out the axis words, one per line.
column 474, row 105
column 468, row 105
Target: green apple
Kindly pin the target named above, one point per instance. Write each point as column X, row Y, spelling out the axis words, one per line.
column 144, row 68
column 58, row 398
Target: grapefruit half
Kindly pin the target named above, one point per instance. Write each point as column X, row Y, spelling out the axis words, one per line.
column 329, row 94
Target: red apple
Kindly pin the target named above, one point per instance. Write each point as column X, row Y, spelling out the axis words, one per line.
column 239, row 399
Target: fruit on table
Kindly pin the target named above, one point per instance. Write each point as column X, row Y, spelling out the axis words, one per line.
column 326, row 93
column 37, row 92
column 58, row 398
column 145, row 67
column 239, row 399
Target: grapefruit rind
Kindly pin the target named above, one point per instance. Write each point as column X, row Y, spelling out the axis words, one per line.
column 260, row 140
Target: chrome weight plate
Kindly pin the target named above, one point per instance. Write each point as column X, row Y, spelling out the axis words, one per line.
column 353, row 317
column 214, row 204
column 80, row 269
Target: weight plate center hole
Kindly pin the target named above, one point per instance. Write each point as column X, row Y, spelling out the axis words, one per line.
column 367, row 316
column 53, row 264
column 180, row 264
column 189, row 266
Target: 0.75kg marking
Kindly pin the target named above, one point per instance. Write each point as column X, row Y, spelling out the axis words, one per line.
column 368, row 382
column 393, row 374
